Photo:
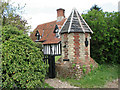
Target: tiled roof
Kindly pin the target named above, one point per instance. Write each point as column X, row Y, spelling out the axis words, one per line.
column 48, row 35
column 75, row 23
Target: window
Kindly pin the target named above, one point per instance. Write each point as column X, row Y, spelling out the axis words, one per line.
column 57, row 35
column 56, row 31
column 43, row 32
column 86, row 42
column 38, row 35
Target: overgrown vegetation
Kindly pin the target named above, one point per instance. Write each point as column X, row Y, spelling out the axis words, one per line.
column 97, row 78
column 22, row 62
column 105, row 39
column 39, row 45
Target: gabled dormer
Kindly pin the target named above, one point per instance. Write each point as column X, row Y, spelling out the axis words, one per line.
column 56, row 31
column 38, row 35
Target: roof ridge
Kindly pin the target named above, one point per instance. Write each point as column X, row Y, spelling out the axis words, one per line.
column 51, row 22
column 71, row 20
column 79, row 20
column 47, row 22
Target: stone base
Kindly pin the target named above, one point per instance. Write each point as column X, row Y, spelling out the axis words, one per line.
column 74, row 70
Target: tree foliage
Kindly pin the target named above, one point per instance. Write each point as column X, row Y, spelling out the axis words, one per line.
column 12, row 16
column 39, row 45
column 22, row 64
column 105, row 39
column 96, row 7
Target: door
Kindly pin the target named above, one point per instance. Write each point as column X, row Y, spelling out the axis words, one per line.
column 51, row 61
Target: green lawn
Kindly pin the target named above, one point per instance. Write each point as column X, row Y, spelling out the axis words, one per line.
column 56, row 58
column 97, row 78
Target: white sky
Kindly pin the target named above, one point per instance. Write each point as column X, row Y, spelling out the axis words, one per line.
column 42, row 11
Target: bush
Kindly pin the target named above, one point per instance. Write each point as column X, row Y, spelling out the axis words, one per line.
column 39, row 45
column 22, row 64
column 105, row 39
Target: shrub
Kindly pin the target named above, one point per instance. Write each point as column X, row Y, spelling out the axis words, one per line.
column 39, row 45
column 105, row 39
column 22, row 64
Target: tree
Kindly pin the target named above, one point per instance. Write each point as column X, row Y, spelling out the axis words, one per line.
column 11, row 17
column 22, row 64
column 95, row 7
column 105, row 39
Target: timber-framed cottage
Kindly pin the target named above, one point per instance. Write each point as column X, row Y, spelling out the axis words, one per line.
column 68, row 37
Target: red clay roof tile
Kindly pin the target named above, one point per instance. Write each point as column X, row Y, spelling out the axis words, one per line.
column 48, row 35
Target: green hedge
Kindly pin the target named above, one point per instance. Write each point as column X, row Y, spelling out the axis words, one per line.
column 22, row 64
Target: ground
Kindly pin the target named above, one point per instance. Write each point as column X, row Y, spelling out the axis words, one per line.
column 56, row 83
column 113, row 84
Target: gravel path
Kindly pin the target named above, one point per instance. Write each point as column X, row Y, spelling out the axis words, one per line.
column 56, row 83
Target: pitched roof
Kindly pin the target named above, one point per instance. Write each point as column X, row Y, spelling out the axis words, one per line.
column 75, row 23
column 48, row 34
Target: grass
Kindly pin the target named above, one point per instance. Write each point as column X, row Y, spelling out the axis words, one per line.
column 96, row 78
column 56, row 58
column 47, row 86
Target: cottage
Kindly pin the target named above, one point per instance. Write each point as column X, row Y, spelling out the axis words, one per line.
column 70, row 38
column 48, row 34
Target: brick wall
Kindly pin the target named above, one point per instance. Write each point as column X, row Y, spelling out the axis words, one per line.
column 77, row 53
column 75, row 46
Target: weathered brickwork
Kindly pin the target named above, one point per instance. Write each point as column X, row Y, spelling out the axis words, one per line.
column 62, row 44
column 65, row 46
column 71, row 46
column 82, row 46
column 76, row 45
column 75, row 35
column 77, row 53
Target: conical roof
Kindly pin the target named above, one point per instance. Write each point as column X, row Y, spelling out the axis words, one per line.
column 75, row 23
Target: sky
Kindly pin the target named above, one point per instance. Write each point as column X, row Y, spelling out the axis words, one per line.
column 41, row 11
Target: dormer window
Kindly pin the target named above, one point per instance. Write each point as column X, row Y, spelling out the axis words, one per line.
column 38, row 35
column 43, row 32
column 56, row 31
column 57, row 35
